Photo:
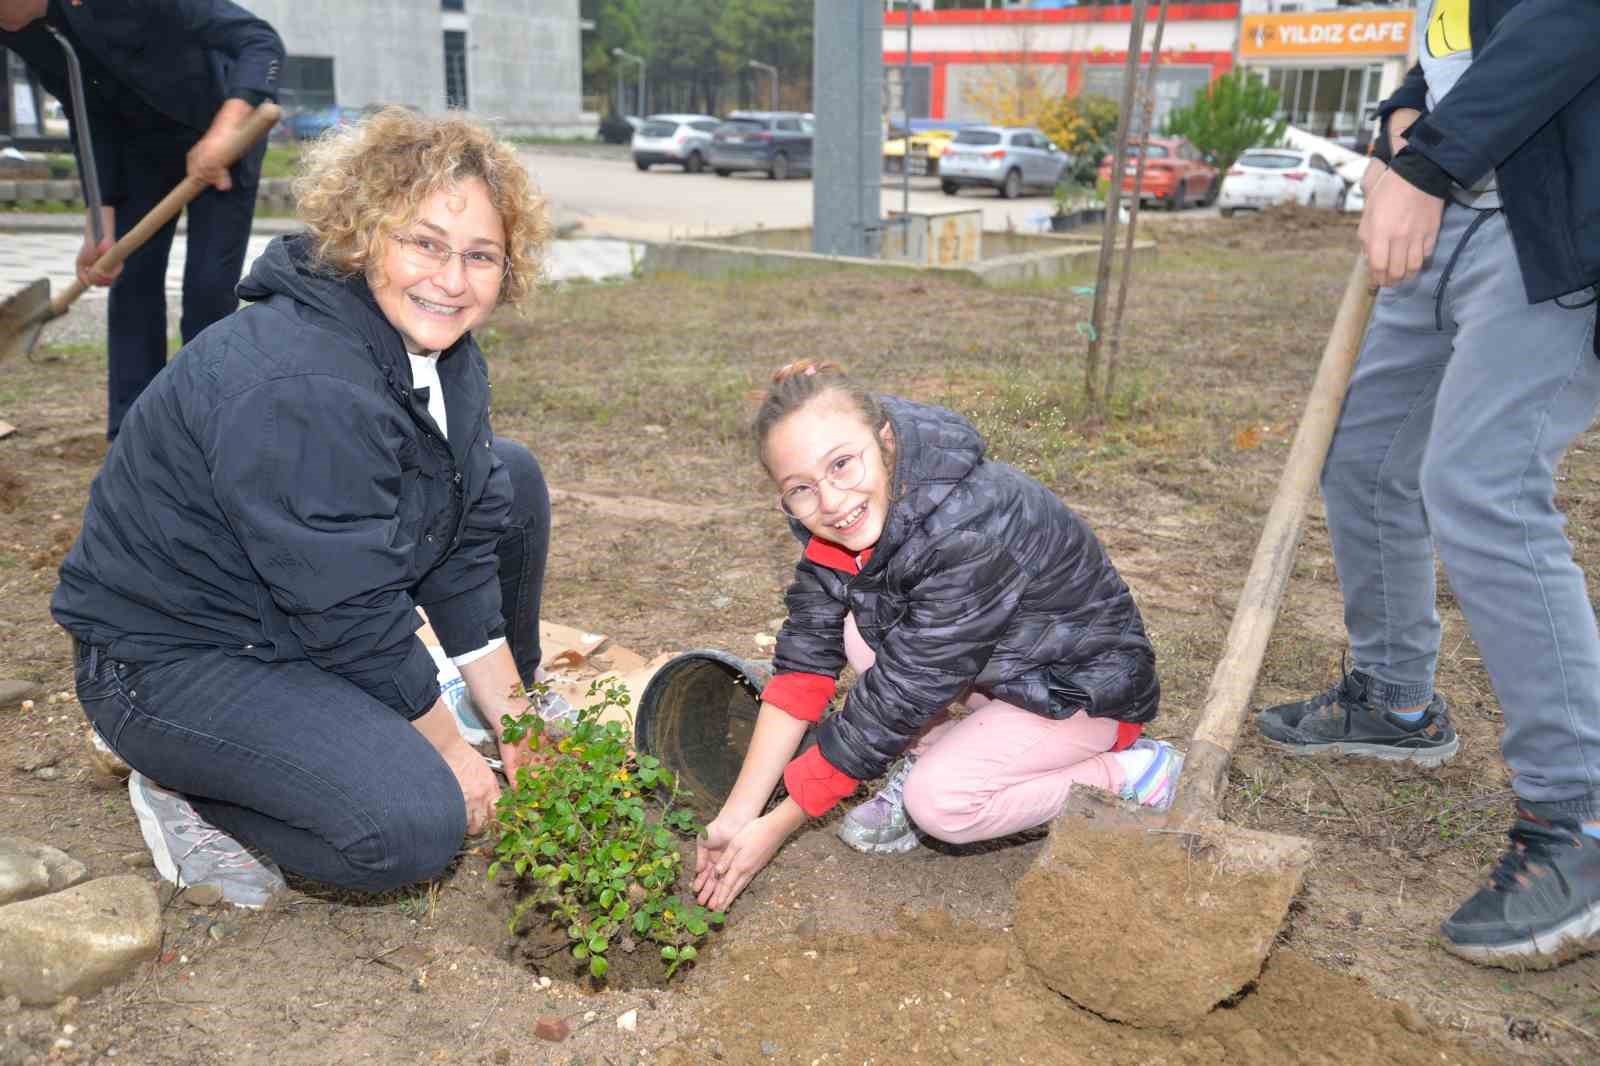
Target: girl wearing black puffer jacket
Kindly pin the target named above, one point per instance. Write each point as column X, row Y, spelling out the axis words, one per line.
column 942, row 578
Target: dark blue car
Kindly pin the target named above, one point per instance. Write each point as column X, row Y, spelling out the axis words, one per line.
column 777, row 143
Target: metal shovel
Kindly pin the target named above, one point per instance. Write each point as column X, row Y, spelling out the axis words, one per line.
column 25, row 313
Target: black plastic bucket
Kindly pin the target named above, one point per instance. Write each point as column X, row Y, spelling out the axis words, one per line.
column 697, row 715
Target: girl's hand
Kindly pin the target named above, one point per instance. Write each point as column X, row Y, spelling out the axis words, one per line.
column 710, row 851
column 723, row 869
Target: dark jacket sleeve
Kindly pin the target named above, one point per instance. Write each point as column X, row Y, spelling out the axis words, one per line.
column 307, row 471
column 462, row 593
column 253, row 47
column 956, row 613
column 812, row 638
column 1537, row 58
column 1412, row 93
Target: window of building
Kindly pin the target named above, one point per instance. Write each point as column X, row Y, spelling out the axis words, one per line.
column 453, row 5
column 306, row 83
column 1326, row 101
column 455, row 68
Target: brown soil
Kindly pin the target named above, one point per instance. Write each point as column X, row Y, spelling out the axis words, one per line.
column 1218, row 348
column 931, row 991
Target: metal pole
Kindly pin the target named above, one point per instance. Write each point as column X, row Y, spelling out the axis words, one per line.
column 1133, row 208
column 756, row 64
column 905, row 156
column 1108, row 239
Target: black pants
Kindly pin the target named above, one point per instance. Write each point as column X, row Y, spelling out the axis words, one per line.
column 522, row 551
column 219, row 231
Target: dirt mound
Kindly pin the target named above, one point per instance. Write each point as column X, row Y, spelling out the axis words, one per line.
column 934, row 992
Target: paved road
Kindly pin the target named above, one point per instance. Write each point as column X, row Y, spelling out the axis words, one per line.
column 610, row 197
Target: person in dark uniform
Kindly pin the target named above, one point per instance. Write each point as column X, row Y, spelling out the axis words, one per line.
column 165, row 84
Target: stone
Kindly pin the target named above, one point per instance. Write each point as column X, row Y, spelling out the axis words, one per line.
column 38, row 758
column 47, row 773
column 78, row 940
column 769, row 1048
column 29, row 869
column 628, row 1021
column 551, row 1028
column 67, row 1008
column 136, row 860
column 13, row 692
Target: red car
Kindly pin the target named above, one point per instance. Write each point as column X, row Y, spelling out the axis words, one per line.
column 1175, row 173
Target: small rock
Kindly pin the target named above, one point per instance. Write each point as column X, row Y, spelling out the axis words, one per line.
column 543, row 982
column 29, row 869
column 136, row 860
column 38, row 758
column 202, row 895
column 220, row 931
column 47, row 773
column 628, row 1021
column 10, row 1005
column 14, row 692
column 67, row 1007
column 552, row 1028
column 721, row 603
column 78, row 940
column 419, row 981
column 769, row 1048
column 502, row 1055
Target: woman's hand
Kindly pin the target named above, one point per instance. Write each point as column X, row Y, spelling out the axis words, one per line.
column 732, row 854
column 479, row 787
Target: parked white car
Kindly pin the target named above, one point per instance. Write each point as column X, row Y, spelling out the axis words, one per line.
column 1263, row 177
column 683, row 140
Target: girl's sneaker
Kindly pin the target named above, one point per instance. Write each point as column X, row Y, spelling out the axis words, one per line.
column 880, row 826
column 1152, row 768
column 189, row 851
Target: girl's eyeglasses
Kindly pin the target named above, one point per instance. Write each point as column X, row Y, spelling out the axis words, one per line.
column 843, row 473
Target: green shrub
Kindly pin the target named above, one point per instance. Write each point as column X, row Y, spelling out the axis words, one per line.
column 595, row 834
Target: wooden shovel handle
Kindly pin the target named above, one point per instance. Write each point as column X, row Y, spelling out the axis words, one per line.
column 1206, row 763
column 253, row 129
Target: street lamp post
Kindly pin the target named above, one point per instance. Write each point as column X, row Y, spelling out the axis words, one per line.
column 770, row 69
column 621, row 54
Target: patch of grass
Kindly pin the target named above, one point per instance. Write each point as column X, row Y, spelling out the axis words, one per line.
column 282, row 161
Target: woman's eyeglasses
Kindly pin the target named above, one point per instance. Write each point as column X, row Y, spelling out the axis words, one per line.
column 428, row 253
column 843, row 473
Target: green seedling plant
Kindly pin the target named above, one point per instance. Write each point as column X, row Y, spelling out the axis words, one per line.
column 594, row 833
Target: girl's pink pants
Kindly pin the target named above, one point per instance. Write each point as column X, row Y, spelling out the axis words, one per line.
column 1000, row 769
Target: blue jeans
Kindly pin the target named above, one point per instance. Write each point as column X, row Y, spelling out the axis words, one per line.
column 1463, row 402
column 299, row 762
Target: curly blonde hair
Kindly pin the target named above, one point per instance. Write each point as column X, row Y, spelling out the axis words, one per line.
column 361, row 183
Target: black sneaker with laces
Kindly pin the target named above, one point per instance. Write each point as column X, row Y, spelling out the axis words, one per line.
column 1541, row 906
column 1340, row 721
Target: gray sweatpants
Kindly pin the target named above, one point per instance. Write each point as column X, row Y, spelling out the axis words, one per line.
column 1462, row 404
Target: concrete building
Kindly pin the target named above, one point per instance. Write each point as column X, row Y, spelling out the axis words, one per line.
column 957, row 56
column 515, row 62
column 1330, row 62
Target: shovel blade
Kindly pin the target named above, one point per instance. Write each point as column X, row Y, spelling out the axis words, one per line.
column 22, row 316
column 1150, row 924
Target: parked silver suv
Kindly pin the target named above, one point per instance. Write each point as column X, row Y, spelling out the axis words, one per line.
column 684, row 140
column 1008, row 158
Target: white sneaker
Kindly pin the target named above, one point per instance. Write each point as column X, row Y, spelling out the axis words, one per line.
column 880, row 826
column 189, row 851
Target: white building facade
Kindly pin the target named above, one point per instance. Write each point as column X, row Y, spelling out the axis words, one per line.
column 516, row 63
